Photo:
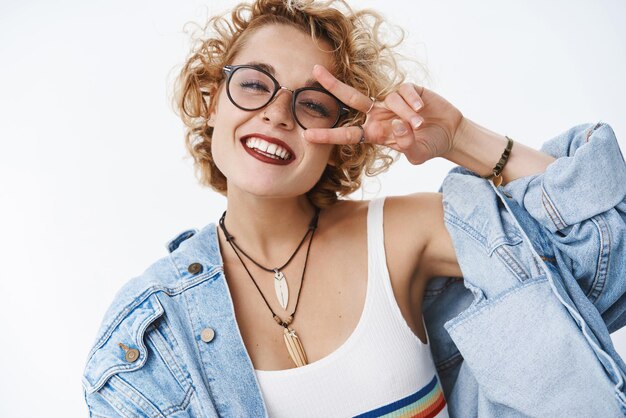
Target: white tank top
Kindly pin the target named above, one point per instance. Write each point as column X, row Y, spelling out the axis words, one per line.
column 382, row 370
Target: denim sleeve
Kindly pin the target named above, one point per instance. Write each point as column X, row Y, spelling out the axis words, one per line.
column 581, row 200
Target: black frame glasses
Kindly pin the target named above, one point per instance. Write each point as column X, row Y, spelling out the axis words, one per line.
column 229, row 70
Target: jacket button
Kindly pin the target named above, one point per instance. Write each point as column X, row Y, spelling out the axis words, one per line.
column 194, row 268
column 131, row 355
column 207, row 335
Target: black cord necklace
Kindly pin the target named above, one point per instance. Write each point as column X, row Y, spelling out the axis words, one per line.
column 292, row 341
column 280, row 281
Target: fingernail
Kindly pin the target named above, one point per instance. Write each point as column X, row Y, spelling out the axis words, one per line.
column 416, row 121
column 417, row 106
column 398, row 127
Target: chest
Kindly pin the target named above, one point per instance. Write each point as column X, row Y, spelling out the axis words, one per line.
column 331, row 297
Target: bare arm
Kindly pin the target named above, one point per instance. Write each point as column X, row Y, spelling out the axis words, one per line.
column 479, row 149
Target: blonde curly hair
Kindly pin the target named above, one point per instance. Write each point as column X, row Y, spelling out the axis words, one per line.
column 362, row 60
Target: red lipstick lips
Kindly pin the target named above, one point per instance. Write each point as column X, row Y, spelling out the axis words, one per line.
column 263, row 157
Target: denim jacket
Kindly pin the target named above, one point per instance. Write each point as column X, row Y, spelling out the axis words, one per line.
column 524, row 332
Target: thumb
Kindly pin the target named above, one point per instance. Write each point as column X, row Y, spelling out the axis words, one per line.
column 401, row 133
column 398, row 127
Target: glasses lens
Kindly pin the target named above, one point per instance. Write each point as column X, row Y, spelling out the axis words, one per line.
column 250, row 88
column 316, row 109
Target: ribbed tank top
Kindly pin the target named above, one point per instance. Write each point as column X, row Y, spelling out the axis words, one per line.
column 382, row 370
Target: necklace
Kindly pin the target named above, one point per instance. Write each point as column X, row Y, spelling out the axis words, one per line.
column 292, row 341
column 280, row 281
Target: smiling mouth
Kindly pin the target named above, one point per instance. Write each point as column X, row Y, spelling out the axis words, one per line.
column 266, row 151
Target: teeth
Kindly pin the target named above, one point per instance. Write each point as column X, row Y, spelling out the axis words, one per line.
column 275, row 150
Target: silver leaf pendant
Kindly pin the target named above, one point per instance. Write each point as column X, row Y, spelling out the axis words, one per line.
column 280, row 286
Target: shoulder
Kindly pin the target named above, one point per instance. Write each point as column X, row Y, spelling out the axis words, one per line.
column 415, row 208
column 413, row 218
column 413, row 213
column 136, row 305
column 415, row 228
column 409, row 222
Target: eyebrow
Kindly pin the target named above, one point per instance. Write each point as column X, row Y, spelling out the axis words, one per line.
column 311, row 82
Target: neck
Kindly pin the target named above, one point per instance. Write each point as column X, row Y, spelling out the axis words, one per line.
column 268, row 229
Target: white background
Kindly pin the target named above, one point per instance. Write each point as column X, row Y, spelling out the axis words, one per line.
column 93, row 175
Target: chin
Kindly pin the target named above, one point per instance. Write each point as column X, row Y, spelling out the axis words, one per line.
column 274, row 192
column 269, row 188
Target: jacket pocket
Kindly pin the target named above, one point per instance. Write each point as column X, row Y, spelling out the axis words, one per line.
column 527, row 353
column 136, row 366
column 515, row 258
column 493, row 261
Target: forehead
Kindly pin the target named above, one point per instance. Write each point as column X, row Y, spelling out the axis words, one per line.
column 290, row 51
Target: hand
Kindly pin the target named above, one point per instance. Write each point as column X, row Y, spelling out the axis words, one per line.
column 412, row 120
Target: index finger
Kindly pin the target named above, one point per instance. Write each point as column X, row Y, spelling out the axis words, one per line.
column 347, row 94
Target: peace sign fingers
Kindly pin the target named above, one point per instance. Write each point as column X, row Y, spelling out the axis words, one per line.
column 403, row 104
column 350, row 135
column 347, row 94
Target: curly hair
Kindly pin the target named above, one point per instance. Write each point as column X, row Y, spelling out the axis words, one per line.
column 362, row 60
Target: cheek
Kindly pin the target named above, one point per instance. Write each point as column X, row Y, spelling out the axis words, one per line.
column 225, row 120
column 323, row 153
column 220, row 148
column 320, row 161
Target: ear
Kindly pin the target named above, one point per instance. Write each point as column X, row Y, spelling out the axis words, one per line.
column 212, row 103
column 212, row 113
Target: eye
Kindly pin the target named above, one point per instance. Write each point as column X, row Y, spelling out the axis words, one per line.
column 314, row 108
column 254, row 85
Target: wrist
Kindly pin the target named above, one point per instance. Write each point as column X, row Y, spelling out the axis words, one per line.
column 476, row 148
column 479, row 150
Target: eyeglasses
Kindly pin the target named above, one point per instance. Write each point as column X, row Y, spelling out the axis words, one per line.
column 251, row 88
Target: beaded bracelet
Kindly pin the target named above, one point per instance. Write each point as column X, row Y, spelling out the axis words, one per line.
column 496, row 177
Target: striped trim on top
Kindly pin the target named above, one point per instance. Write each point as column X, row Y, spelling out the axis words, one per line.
column 425, row 403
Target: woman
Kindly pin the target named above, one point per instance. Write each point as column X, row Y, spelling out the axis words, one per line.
column 286, row 106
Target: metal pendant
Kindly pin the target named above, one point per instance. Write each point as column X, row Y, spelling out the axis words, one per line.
column 295, row 348
column 280, row 286
column 497, row 180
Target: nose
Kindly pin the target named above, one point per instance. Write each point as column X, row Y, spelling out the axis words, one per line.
column 278, row 111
